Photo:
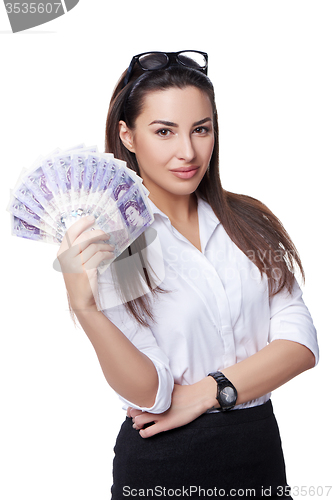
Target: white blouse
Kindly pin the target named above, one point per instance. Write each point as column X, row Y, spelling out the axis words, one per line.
column 217, row 311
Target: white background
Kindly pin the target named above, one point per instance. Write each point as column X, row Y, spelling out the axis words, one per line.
column 271, row 64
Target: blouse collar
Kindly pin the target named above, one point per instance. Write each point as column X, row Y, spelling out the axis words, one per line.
column 207, row 219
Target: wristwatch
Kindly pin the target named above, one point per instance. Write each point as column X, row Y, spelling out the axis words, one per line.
column 226, row 391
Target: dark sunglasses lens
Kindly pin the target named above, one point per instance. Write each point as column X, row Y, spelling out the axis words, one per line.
column 153, row 61
column 192, row 59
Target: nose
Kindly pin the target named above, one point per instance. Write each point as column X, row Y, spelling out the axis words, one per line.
column 186, row 149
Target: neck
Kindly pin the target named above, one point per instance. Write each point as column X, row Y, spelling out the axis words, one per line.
column 177, row 208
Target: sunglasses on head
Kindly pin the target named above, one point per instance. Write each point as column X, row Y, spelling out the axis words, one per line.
column 149, row 61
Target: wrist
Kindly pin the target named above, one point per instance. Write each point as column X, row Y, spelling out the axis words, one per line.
column 81, row 309
column 79, row 305
column 208, row 390
column 86, row 313
column 226, row 392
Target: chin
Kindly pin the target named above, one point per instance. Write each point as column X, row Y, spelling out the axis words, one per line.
column 184, row 190
column 188, row 187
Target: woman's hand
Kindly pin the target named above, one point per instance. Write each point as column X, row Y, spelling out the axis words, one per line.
column 188, row 403
column 79, row 255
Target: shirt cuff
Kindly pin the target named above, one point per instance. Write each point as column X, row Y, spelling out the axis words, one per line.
column 305, row 339
column 163, row 397
column 291, row 320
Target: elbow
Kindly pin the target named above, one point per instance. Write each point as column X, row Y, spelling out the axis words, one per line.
column 298, row 358
column 159, row 399
column 312, row 361
column 144, row 395
column 306, row 358
column 152, row 394
column 148, row 400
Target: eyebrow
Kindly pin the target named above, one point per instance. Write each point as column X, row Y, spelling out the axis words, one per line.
column 172, row 124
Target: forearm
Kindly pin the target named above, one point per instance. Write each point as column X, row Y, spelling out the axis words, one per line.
column 256, row 376
column 128, row 371
column 265, row 371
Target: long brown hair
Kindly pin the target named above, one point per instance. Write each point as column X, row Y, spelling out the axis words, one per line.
column 247, row 221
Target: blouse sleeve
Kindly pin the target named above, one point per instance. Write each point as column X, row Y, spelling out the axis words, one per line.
column 291, row 320
column 144, row 340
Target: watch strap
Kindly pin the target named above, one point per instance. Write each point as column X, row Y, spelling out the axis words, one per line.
column 222, row 381
column 220, row 378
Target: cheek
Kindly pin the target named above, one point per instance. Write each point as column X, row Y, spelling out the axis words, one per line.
column 150, row 155
column 205, row 151
column 210, row 149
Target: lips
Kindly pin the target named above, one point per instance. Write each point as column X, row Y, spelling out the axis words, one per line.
column 185, row 169
column 185, row 172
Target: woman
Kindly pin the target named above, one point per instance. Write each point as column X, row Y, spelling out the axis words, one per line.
column 132, row 214
column 195, row 359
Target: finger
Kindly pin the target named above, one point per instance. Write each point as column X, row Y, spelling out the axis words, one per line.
column 92, row 235
column 93, row 249
column 145, row 418
column 86, row 238
column 74, row 261
column 134, row 412
column 96, row 259
column 77, row 228
column 81, row 243
column 154, row 429
column 136, row 425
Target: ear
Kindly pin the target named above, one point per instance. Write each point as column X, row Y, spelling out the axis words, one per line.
column 126, row 136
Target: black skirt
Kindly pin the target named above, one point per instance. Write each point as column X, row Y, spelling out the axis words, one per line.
column 235, row 454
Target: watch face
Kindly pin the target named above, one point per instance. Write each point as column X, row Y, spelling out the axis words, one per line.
column 228, row 395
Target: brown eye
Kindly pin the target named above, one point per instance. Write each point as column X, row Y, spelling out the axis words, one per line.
column 201, row 130
column 163, row 132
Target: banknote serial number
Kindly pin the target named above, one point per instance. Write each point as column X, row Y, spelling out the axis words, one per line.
column 32, row 8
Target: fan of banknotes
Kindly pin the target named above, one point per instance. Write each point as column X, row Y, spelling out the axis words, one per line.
column 68, row 184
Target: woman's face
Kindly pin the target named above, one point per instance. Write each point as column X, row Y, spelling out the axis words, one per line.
column 133, row 216
column 173, row 140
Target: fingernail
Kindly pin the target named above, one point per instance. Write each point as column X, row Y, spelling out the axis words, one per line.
column 90, row 218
